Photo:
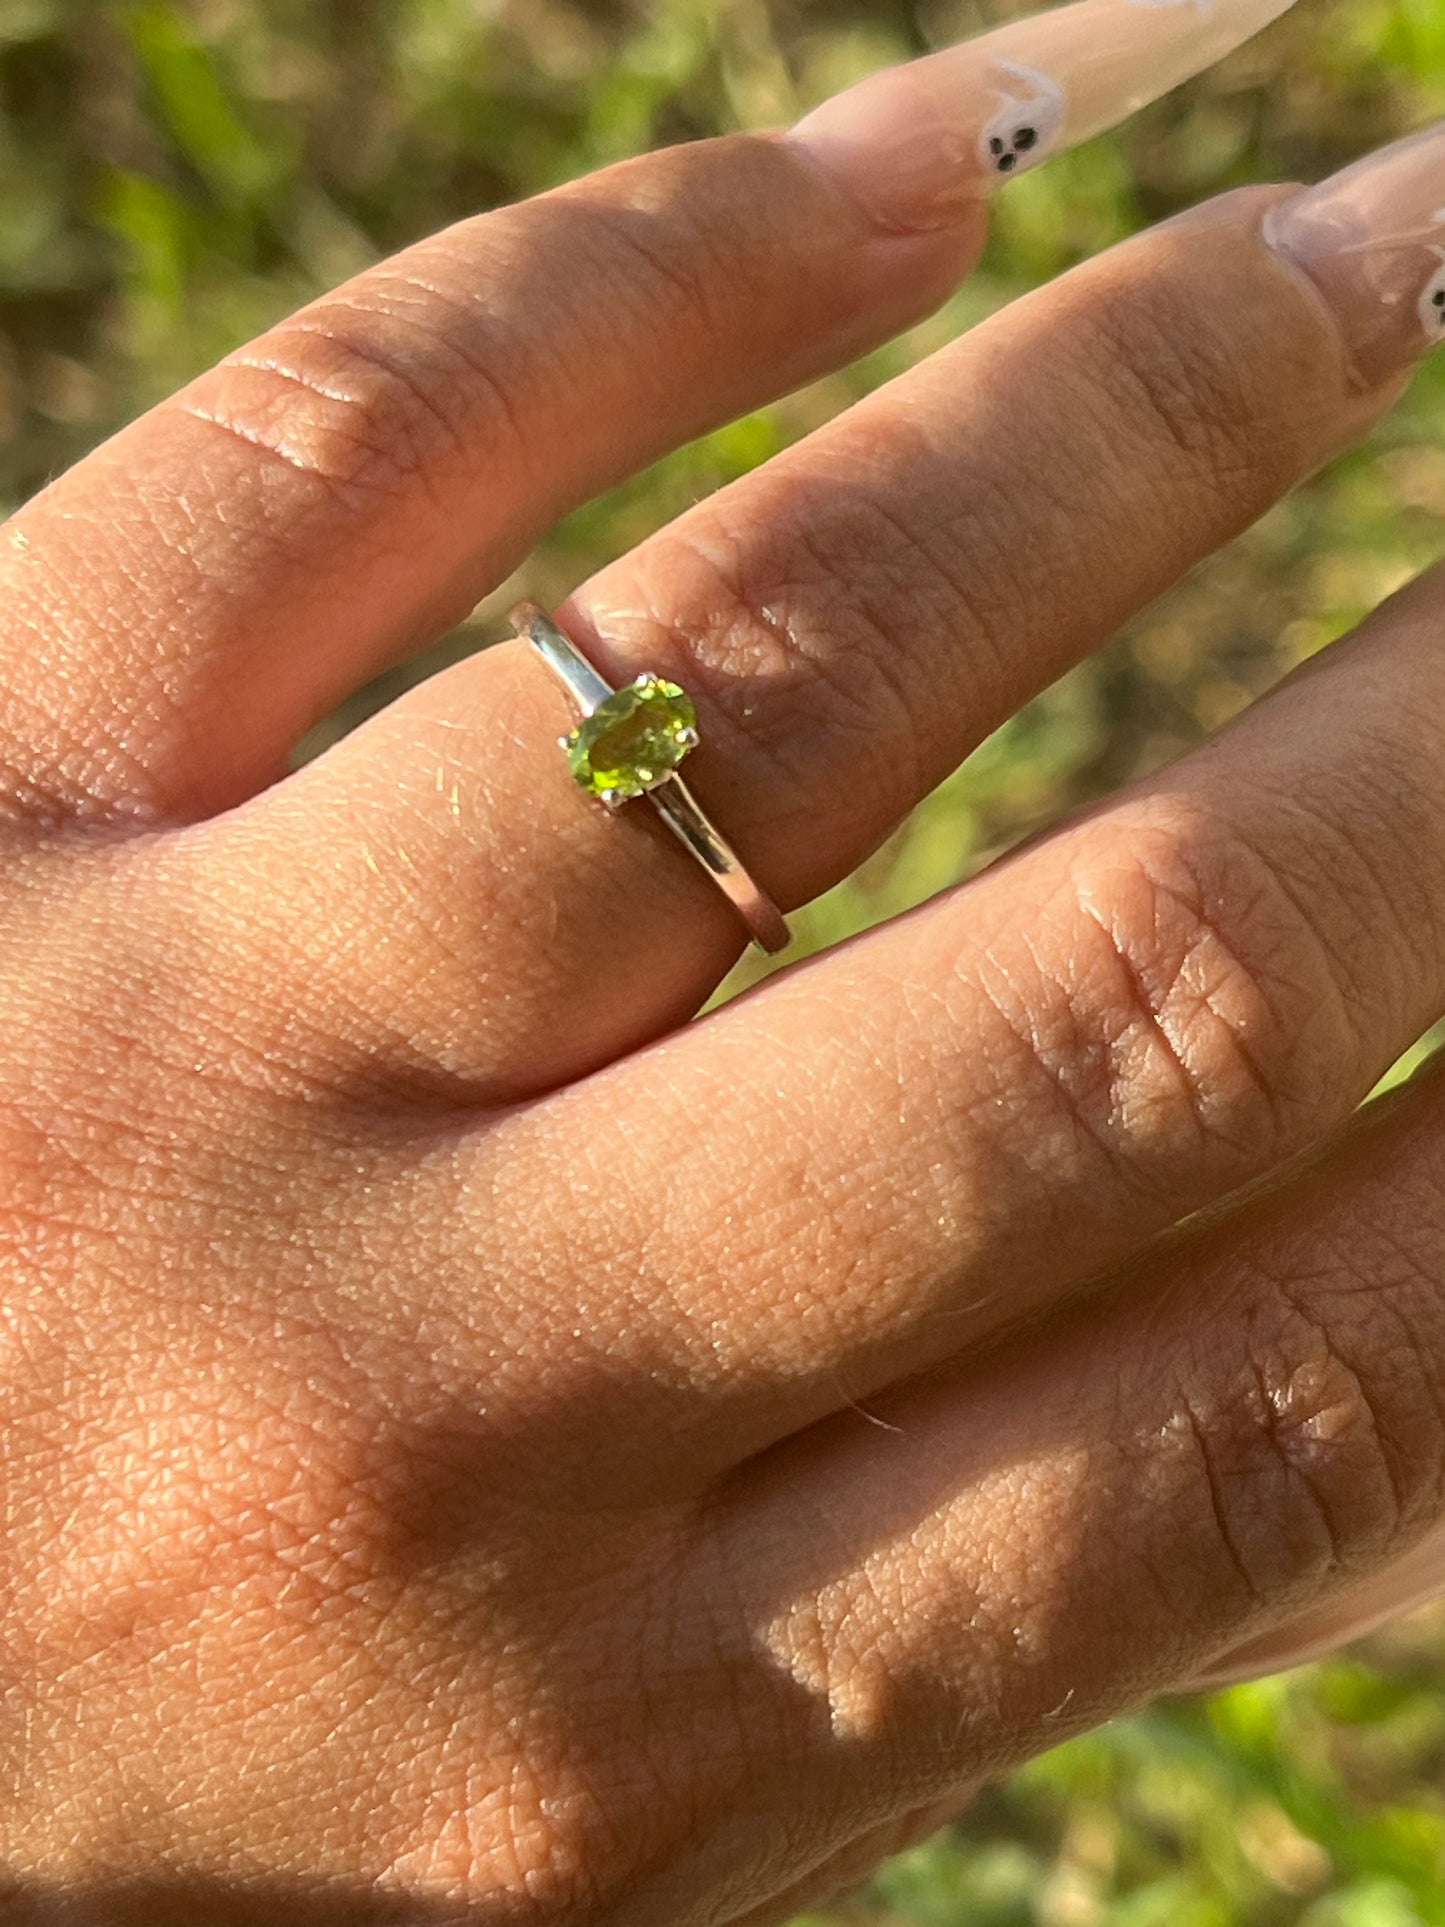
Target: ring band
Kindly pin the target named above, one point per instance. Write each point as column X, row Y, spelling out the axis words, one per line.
column 657, row 719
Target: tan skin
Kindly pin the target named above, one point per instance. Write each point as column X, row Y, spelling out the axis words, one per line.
column 477, row 1448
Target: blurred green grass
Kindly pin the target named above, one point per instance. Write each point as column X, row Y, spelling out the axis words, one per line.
column 174, row 176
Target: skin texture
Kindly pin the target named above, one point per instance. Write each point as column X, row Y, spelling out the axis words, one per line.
column 478, row 1448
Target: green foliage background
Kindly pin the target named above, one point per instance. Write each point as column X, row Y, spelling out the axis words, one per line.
column 174, row 176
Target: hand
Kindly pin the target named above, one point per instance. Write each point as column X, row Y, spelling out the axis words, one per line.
column 478, row 1447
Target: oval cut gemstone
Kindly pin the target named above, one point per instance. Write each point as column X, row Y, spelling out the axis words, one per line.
column 634, row 740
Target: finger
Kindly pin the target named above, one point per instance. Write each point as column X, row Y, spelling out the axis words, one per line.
column 877, row 1161
column 1362, row 1607
column 853, row 619
column 1056, row 1532
column 184, row 605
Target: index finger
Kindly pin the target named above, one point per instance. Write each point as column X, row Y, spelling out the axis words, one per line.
column 184, row 604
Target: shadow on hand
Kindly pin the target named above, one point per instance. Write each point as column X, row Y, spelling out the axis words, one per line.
column 188, row 1901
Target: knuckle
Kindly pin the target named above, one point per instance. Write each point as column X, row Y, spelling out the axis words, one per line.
column 1319, row 1449
column 789, row 635
column 1196, row 1012
column 366, row 398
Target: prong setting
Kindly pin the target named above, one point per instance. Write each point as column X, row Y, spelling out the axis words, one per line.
column 629, row 743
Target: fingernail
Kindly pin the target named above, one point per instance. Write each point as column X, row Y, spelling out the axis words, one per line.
column 1372, row 240
column 915, row 143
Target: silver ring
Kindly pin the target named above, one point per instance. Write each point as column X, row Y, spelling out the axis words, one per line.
column 646, row 730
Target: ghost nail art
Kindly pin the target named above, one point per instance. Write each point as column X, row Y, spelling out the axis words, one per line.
column 917, row 144
column 1030, row 119
column 1372, row 242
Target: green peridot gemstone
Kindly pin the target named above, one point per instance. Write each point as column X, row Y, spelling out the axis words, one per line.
column 634, row 740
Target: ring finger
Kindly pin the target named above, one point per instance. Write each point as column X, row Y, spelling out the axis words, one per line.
column 852, row 620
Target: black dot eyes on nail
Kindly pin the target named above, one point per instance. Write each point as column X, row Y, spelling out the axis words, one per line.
column 1439, row 297
column 1006, row 153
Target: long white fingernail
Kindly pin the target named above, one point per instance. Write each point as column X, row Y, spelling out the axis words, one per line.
column 1372, row 240
column 914, row 143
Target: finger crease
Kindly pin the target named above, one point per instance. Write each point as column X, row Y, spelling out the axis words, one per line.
column 252, row 438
